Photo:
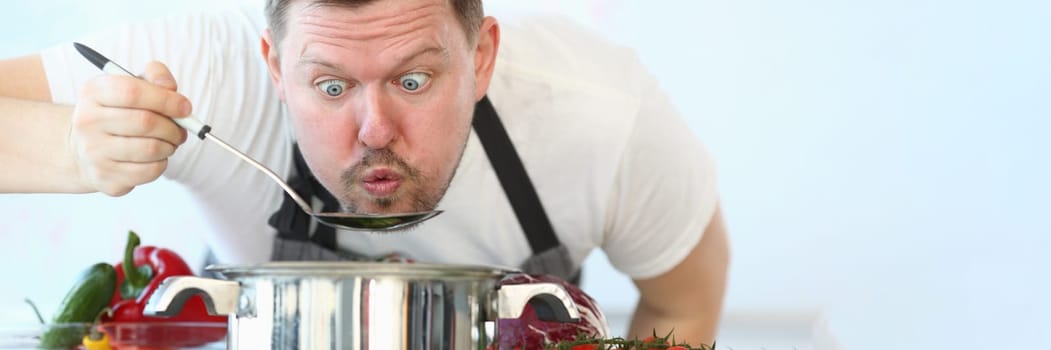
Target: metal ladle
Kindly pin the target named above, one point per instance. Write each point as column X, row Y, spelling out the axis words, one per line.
column 348, row 221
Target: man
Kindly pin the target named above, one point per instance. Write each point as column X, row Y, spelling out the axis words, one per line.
column 540, row 141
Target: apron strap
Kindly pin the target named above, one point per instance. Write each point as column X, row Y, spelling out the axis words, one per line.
column 513, row 178
column 549, row 255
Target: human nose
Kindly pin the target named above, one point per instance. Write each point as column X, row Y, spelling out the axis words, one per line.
column 377, row 129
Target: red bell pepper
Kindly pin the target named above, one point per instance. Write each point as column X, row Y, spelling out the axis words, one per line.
column 142, row 270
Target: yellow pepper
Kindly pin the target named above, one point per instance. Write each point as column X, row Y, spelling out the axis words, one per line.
column 91, row 343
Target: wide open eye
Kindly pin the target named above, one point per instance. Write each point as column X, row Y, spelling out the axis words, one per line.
column 413, row 81
column 332, row 87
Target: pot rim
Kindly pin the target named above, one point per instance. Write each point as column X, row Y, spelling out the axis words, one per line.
column 358, row 268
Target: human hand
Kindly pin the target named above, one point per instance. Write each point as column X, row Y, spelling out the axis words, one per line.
column 122, row 133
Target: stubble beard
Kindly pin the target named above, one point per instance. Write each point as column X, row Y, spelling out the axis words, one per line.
column 415, row 189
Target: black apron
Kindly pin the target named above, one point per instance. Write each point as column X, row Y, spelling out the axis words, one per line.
column 299, row 237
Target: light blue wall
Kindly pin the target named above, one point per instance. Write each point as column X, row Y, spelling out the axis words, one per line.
column 882, row 162
column 886, row 161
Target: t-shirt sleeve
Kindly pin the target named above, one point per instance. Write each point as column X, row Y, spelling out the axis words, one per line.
column 664, row 193
column 183, row 43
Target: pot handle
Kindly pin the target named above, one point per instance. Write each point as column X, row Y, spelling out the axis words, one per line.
column 220, row 297
column 550, row 302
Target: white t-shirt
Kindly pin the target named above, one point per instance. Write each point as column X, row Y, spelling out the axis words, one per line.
column 614, row 164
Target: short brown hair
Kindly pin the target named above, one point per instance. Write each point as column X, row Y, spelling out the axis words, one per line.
column 468, row 12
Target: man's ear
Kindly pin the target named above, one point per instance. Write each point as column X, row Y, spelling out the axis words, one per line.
column 273, row 62
column 485, row 55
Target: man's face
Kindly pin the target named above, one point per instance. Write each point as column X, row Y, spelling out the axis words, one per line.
column 381, row 98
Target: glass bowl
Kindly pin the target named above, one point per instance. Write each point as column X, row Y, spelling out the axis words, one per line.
column 123, row 336
column 60, row 336
column 166, row 335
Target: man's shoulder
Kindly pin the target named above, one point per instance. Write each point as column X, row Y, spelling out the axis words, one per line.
column 559, row 86
column 565, row 53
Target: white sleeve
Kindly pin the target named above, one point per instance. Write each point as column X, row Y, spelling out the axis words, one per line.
column 664, row 193
column 184, row 43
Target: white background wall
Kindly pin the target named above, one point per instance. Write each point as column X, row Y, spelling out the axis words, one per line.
column 883, row 164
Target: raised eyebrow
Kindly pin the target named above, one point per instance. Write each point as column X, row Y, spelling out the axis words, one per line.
column 432, row 50
column 313, row 61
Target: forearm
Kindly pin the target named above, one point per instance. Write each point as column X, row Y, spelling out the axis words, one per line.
column 694, row 326
column 34, row 148
column 688, row 299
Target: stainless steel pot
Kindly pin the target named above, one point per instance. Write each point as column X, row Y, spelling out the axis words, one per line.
column 354, row 305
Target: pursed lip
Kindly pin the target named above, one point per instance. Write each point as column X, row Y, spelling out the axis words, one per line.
column 381, row 182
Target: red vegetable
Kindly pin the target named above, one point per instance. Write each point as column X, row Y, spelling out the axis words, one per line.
column 530, row 333
column 143, row 269
column 653, row 342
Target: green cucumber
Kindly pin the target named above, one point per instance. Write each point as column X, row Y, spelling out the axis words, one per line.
column 82, row 304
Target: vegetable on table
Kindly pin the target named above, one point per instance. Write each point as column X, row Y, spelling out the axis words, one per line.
column 529, row 332
column 96, row 341
column 87, row 298
column 102, row 343
column 137, row 277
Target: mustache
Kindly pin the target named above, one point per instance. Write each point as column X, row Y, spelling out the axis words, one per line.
column 376, row 157
column 353, row 176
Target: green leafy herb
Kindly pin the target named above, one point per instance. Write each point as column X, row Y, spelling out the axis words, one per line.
column 667, row 342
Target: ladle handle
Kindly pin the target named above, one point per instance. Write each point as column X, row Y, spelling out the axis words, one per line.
column 288, row 189
column 192, row 124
